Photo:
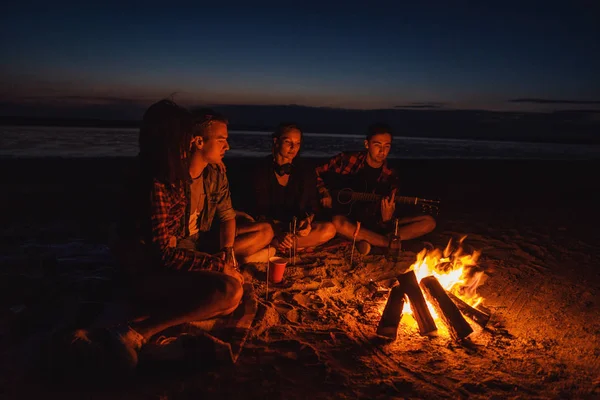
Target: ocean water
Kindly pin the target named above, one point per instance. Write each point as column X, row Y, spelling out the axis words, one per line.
column 35, row 141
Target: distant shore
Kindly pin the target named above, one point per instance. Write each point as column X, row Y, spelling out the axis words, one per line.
column 573, row 127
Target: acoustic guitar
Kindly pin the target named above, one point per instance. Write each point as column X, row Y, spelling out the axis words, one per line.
column 345, row 198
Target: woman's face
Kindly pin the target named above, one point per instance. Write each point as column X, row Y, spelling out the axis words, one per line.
column 288, row 144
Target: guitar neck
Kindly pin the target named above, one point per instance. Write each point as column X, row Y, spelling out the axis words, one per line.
column 377, row 197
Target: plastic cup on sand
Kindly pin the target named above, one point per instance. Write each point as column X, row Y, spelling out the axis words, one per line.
column 276, row 268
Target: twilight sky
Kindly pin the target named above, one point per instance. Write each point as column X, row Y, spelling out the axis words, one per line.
column 382, row 55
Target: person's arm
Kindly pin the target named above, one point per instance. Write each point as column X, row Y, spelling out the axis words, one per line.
column 225, row 212
column 227, row 238
column 312, row 196
column 388, row 203
column 225, row 209
column 388, row 208
column 170, row 256
column 394, row 180
column 334, row 164
column 227, row 232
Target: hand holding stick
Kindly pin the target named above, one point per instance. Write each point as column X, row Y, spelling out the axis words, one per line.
column 305, row 225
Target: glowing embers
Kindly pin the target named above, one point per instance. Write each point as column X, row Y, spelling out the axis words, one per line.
column 439, row 288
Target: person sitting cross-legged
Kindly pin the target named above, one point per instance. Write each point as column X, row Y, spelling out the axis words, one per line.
column 368, row 171
column 283, row 188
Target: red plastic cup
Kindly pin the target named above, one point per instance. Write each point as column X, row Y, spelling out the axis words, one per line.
column 276, row 269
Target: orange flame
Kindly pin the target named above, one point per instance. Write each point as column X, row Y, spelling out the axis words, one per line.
column 455, row 271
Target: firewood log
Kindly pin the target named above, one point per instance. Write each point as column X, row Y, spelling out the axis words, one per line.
column 410, row 286
column 458, row 327
column 481, row 318
column 392, row 314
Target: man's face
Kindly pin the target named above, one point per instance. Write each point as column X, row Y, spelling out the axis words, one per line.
column 215, row 143
column 378, row 147
column 288, row 144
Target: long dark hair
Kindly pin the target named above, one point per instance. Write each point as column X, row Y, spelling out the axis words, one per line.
column 165, row 137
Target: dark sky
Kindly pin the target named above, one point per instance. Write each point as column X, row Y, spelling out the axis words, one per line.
column 515, row 56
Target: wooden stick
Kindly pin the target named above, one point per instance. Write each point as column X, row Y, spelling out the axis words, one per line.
column 354, row 242
column 481, row 318
column 458, row 327
column 294, row 228
column 410, row 286
column 268, row 262
column 392, row 314
column 352, row 251
column 291, row 248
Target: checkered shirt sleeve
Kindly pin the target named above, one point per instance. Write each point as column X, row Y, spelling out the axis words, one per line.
column 167, row 210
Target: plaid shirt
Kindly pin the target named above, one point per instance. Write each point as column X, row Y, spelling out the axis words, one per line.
column 169, row 215
column 351, row 164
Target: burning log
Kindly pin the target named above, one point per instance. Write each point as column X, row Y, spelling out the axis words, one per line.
column 392, row 314
column 410, row 286
column 478, row 316
column 458, row 327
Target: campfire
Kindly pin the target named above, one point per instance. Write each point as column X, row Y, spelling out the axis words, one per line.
column 439, row 288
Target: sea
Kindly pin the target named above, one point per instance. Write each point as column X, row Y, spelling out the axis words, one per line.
column 73, row 142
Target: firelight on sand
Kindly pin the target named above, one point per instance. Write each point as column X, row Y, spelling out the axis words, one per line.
column 454, row 269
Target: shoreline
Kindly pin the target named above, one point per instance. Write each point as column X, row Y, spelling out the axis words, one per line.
column 554, row 127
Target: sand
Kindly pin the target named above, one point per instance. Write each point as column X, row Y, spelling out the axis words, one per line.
column 535, row 224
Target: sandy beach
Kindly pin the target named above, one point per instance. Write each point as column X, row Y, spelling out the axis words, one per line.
column 534, row 222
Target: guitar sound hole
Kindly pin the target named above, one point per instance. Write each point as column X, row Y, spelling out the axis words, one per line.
column 345, row 196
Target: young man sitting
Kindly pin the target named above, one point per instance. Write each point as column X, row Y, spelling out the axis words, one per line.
column 368, row 171
column 209, row 195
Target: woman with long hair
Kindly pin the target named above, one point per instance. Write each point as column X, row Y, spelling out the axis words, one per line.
column 166, row 284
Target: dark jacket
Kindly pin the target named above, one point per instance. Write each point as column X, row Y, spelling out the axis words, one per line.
column 299, row 196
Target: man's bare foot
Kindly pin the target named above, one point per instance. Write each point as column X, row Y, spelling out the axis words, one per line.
column 363, row 247
column 260, row 256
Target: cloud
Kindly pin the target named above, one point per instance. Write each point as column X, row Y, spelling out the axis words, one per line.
column 554, row 101
column 426, row 105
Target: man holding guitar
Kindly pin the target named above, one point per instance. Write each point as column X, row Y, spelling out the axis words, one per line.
column 366, row 174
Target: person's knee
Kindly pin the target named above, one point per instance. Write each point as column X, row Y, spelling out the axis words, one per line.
column 328, row 231
column 266, row 230
column 428, row 223
column 232, row 293
column 338, row 221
